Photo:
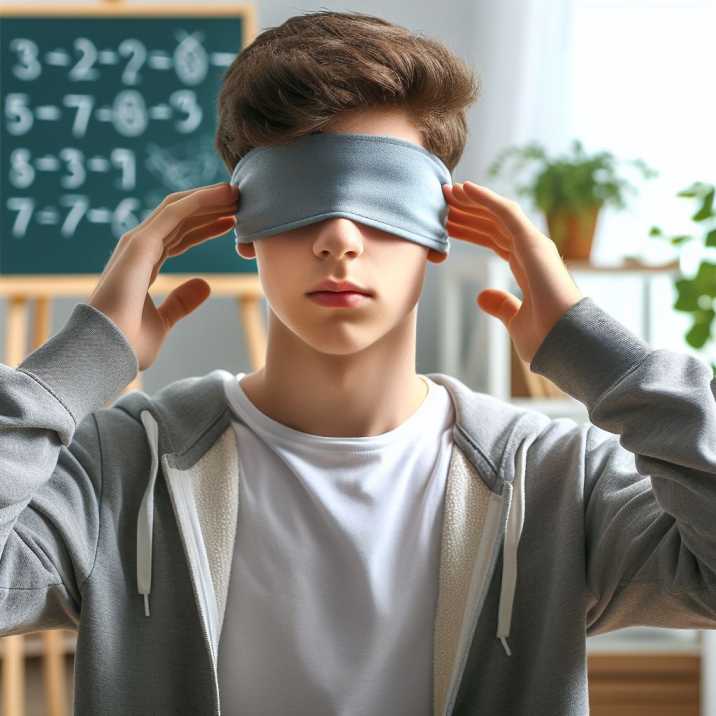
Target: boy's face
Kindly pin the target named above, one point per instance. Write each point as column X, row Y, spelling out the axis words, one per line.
column 292, row 263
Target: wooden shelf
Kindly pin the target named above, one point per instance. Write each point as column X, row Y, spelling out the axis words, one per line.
column 625, row 266
column 639, row 684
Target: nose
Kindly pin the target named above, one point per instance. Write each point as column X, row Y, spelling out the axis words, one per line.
column 337, row 236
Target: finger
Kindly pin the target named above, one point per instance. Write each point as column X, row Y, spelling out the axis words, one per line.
column 169, row 199
column 455, row 194
column 476, row 236
column 183, row 300
column 201, row 233
column 537, row 254
column 486, row 238
column 459, row 201
column 177, row 236
column 498, row 303
column 201, row 201
column 171, row 240
column 195, row 203
column 506, row 209
column 532, row 248
column 457, row 198
column 456, row 216
column 221, row 190
column 229, row 207
column 177, row 195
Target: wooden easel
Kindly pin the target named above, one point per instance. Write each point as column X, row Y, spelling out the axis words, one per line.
column 19, row 290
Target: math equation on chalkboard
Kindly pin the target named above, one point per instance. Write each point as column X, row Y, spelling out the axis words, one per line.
column 103, row 117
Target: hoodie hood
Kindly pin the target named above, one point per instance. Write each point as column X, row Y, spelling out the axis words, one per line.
column 485, row 443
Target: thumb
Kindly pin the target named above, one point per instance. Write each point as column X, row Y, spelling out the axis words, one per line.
column 183, row 300
column 500, row 304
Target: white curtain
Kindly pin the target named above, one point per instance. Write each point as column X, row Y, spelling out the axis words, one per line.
column 522, row 51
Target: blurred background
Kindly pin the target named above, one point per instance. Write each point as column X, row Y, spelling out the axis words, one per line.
column 596, row 116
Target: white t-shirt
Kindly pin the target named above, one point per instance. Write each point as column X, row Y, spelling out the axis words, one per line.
column 333, row 586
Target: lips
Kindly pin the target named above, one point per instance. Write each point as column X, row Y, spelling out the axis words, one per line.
column 347, row 290
column 336, row 286
column 338, row 299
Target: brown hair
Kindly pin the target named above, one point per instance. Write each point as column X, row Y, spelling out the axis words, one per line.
column 292, row 79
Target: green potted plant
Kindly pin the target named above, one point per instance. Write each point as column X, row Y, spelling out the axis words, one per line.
column 570, row 191
column 696, row 295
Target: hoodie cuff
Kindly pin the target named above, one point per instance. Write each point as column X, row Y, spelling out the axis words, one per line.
column 587, row 351
column 86, row 364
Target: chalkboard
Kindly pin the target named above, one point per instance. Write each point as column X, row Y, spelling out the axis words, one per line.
column 106, row 110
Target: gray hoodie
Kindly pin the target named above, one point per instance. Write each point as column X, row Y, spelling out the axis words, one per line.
column 118, row 518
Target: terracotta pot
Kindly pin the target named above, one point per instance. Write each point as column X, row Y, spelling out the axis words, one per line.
column 573, row 232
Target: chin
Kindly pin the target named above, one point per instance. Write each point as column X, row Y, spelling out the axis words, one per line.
column 338, row 343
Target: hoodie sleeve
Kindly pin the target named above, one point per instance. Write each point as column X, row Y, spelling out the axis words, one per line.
column 649, row 472
column 51, row 468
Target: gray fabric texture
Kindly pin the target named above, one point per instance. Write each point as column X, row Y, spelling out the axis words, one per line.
column 381, row 181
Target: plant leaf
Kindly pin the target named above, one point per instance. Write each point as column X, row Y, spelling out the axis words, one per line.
column 705, row 280
column 706, row 210
column 687, row 295
column 697, row 335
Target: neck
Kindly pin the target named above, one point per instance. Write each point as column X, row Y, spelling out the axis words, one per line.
column 362, row 394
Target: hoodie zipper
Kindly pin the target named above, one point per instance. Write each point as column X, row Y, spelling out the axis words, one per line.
column 496, row 533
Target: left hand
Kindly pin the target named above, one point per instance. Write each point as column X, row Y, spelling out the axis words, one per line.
column 481, row 216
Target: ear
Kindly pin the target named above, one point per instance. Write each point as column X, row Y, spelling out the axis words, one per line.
column 246, row 251
column 435, row 256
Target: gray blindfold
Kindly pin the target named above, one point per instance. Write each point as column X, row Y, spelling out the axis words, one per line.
column 381, row 181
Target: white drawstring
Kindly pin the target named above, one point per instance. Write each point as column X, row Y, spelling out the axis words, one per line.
column 145, row 518
column 513, row 532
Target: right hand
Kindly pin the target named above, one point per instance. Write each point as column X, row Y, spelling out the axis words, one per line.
column 182, row 220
